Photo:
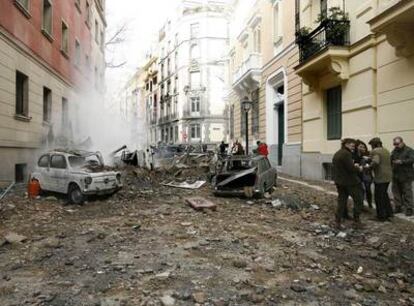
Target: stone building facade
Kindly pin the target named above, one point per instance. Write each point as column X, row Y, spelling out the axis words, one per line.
column 49, row 50
column 189, row 104
column 357, row 66
column 262, row 56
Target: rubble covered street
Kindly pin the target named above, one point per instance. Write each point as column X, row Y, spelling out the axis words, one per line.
column 147, row 246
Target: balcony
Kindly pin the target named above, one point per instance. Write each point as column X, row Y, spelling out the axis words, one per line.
column 395, row 20
column 248, row 76
column 328, row 34
column 324, row 52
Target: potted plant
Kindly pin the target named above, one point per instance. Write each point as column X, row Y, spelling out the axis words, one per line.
column 336, row 23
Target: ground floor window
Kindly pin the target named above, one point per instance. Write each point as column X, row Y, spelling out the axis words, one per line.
column 334, row 113
column 255, row 112
column 231, row 122
column 20, row 173
column 195, row 104
column 195, row 131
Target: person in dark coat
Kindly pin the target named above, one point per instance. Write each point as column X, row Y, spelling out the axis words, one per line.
column 362, row 158
column 381, row 164
column 348, row 182
column 402, row 159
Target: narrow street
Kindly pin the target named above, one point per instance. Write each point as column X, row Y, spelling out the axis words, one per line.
column 145, row 246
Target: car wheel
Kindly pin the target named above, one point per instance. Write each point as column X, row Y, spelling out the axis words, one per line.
column 75, row 195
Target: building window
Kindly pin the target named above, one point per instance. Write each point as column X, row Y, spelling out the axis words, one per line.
column 195, row 52
column 77, row 53
column 242, row 122
column 22, row 94
column 195, row 131
column 257, row 40
column 277, row 23
column 65, row 113
column 65, row 38
column 47, row 104
column 194, row 30
column 97, row 31
column 20, row 173
column 324, row 8
column 24, row 6
column 176, row 134
column 78, row 5
column 232, row 122
column 102, row 40
column 88, row 13
column 255, row 112
column 195, row 79
column 334, row 113
column 195, row 104
column 87, row 61
column 47, row 17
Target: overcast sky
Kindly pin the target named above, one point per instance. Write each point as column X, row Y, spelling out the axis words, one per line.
column 144, row 18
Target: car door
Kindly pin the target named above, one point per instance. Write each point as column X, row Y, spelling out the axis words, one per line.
column 267, row 173
column 43, row 168
column 59, row 173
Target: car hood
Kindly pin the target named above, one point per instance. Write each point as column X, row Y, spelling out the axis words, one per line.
column 97, row 174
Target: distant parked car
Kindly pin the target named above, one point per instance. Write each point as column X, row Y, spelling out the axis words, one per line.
column 77, row 173
column 244, row 176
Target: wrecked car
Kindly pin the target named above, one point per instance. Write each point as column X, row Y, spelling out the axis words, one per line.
column 77, row 174
column 244, row 176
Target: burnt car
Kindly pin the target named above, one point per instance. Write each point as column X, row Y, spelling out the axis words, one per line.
column 76, row 173
column 244, row 176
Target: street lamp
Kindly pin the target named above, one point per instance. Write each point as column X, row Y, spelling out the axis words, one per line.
column 246, row 106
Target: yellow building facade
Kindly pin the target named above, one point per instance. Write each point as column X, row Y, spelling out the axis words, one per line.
column 356, row 62
column 262, row 60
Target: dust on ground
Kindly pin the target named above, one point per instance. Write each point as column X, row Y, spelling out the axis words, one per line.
column 145, row 246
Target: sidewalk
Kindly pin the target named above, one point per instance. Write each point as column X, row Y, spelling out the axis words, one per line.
column 326, row 191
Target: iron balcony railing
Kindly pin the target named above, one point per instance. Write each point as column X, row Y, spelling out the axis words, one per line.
column 328, row 33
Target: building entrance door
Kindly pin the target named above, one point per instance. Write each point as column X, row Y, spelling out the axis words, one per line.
column 281, row 132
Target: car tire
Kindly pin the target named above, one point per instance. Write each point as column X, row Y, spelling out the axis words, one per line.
column 75, row 195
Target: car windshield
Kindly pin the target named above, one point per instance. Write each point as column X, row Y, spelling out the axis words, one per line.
column 237, row 165
column 91, row 162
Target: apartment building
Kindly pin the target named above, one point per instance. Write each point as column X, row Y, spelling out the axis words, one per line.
column 263, row 54
column 357, row 66
column 49, row 51
column 186, row 90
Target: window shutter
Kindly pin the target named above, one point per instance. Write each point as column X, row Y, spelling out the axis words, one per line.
column 334, row 113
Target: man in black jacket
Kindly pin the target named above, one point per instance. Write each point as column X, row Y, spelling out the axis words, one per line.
column 347, row 181
column 402, row 159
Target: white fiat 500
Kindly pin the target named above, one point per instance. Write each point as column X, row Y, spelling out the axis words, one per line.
column 76, row 173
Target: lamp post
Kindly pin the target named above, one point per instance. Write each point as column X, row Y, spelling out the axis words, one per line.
column 246, row 105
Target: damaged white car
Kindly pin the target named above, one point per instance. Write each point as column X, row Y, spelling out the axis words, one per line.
column 76, row 173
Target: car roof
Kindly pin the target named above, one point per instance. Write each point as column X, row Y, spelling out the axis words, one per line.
column 79, row 153
column 244, row 157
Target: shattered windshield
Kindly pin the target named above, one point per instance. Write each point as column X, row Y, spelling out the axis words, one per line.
column 236, row 165
column 91, row 162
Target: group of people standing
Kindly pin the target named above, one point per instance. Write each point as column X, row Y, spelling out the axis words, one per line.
column 237, row 148
column 355, row 168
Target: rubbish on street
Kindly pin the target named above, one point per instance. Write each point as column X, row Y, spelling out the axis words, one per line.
column 184, row 185
column 6, row 191
column 199, row 203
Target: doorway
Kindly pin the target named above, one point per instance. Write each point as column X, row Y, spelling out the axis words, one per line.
column 276, row 117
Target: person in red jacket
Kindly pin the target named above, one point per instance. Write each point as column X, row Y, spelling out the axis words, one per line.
column 262, row 149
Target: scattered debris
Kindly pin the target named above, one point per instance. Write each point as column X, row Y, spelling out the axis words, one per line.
column 6, row 191
column 199, row 203
column 184, row 185
column 14, row 238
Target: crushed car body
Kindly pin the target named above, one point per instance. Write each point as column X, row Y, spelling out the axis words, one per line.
column 76, row 173
column 244, row 176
